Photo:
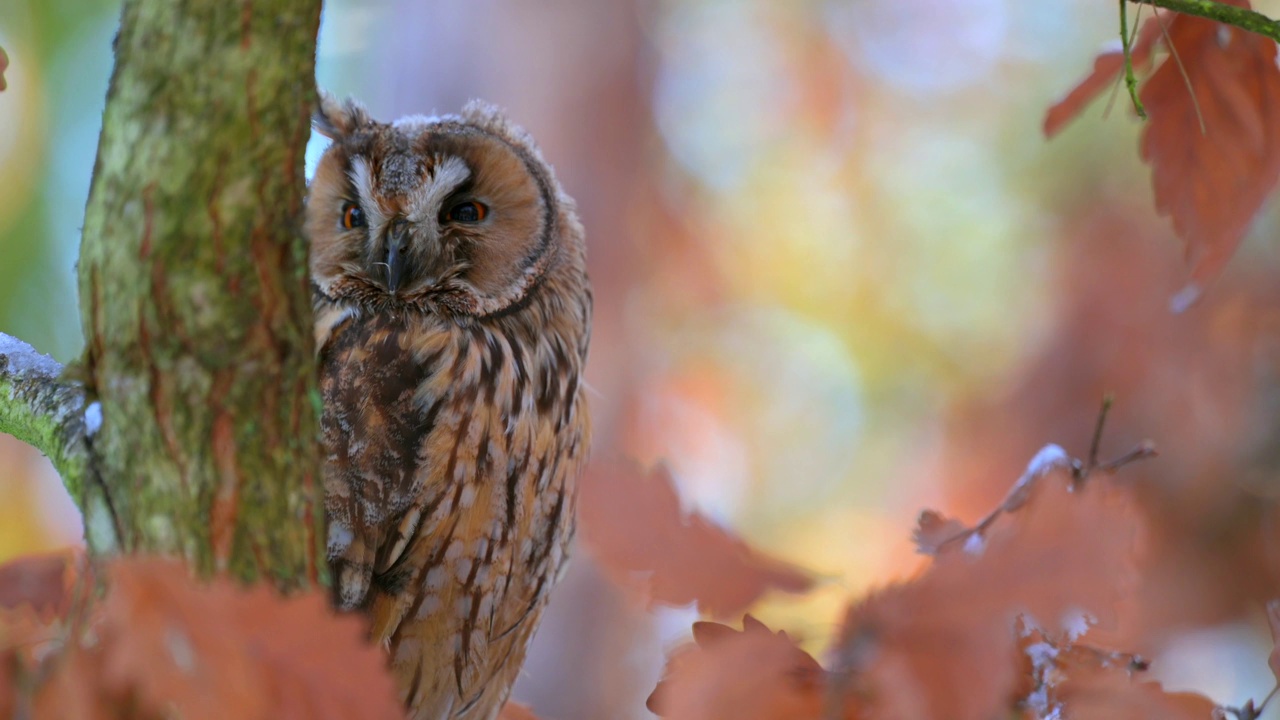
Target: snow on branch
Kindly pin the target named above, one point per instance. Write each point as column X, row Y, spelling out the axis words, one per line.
column 45, row 410
column 934, row 531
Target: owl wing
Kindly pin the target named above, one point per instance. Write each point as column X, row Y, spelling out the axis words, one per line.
column 487, row 538
column 372, row 427
column 487, row 605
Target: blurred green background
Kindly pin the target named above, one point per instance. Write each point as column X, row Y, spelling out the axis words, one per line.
column 840, row 276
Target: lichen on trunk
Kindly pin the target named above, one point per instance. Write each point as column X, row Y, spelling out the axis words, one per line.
column 195, row 299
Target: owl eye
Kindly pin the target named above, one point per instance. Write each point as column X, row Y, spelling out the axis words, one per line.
column 468, row 211
column 352, row 216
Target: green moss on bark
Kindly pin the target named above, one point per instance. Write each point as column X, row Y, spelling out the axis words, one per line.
column 39, row 407
column 194, row 294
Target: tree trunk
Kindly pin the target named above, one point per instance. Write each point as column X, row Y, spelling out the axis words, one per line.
column 195, row 296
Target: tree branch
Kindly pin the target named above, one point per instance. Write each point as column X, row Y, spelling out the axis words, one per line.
column 42, row 409
column 1249, row 20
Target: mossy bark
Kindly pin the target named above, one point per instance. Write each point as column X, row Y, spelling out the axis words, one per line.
column 39, row 407
column 194, row 294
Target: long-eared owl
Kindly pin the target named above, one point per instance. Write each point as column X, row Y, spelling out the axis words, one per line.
column 453, row 314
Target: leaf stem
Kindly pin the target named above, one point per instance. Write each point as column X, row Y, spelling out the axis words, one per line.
column 1263, row 705
column 1130, row 80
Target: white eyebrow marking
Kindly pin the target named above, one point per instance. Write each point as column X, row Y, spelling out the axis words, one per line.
column 448, row 174
column 362, row 177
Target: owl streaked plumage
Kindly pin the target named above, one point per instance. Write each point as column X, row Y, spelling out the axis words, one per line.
column 453, row 314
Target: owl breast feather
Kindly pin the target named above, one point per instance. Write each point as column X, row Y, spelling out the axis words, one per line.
column 452, row 457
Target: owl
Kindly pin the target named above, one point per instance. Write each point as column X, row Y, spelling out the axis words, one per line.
column 453, row 313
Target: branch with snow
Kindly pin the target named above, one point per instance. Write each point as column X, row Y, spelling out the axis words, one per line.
column 41, row 408
column 934, row 531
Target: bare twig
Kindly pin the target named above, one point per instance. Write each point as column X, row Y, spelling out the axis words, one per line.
column 1129, row 80
column 1050, row 457
column 1082, row 470
column 1250, row 711
column 1096, row 443
column 1141, row 451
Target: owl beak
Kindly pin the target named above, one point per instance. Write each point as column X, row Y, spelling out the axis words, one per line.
column 397, row 243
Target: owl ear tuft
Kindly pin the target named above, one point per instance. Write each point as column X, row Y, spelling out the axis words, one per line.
column 336, row 119
column 494, row 119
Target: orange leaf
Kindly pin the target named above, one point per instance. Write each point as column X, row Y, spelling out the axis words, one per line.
column 752, row 674
column 42, row 582
column 633, row 524
column 1213, row 179
column 943, row 644
column 221, row 651
column 1107, row 68
column 1114, row 697
column 1050, row 666
column 1069, row 548
column 76, row 689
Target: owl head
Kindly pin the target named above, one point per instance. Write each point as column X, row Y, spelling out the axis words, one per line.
column 457, row 214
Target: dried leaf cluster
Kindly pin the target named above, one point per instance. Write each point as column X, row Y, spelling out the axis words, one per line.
column 998, row 625
column 634, row 525
column 158, row 645
column 1213, row 135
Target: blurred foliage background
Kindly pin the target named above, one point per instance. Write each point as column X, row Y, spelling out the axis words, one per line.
column 840, row 276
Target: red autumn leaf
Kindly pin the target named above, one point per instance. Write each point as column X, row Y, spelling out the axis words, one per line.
column 1107, row 68
column 926, row 649
column 752, row 674
column 1212, row 181
column 4, row 64
column 37, row 597
column 1213, row 139
column 1069, row 549
column 76, row 689
column 934, row 532
column 221, row 651
column 633, row 523
column 943, row 645
column 42, row 582
column 1079, row 681
column 1114, row 696
column 1049, row 664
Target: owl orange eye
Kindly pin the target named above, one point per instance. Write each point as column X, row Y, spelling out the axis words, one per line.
column 469, row 211
column 352, row 216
